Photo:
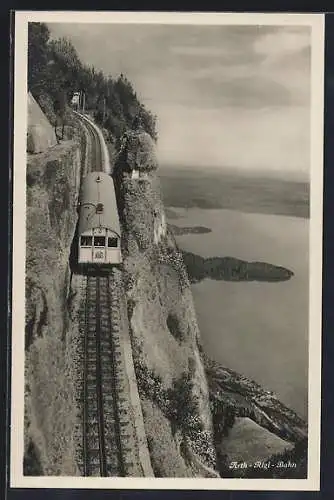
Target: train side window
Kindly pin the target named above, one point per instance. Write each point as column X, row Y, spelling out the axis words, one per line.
column 99, row 241
column 112, row 242
column 86, row 241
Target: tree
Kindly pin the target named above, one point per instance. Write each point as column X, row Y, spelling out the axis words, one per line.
column 60, row 105
column 55, row 72
column 66, row 63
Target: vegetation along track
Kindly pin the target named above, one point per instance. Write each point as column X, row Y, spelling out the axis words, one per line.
column 106, row 412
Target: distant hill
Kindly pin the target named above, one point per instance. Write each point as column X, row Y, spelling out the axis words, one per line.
column 214, row 189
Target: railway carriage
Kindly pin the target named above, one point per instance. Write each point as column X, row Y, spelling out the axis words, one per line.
column 99, row 228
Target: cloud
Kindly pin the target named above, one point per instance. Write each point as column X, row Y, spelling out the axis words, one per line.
column 272, row 140
column 283, row 42
column 218, row 91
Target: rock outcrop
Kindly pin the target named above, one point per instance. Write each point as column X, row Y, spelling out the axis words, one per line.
column 41, row 135
column 164, row 331
column 137, row 152
column 53, row 180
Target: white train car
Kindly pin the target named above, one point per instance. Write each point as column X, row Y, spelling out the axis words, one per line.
column 99, row 228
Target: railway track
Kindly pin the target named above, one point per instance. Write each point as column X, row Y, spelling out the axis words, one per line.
column 97, row 164
column 107, row 419
column 105, row 409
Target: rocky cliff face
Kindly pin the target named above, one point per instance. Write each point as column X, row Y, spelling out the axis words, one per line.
column 53, row 180
column 41, row 135
column 164, row 331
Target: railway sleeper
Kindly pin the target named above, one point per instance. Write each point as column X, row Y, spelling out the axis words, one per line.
column 107, row 380
column 105, row 333
column 91, row 388
column 94, row 454
column 94, row 413
column 91, row 400
column 113, row 468
column 104, row 311
column 93, row 443
column 111, row 457
column 95, row 461
column 91, row 341
column 107, row 357
column 105, row 345
column 110, row 421
column 126, row 435
column 109, row 399
column 93, row 421
column 123, row 423
column 91, row 365
column 107, row 376
column 105, row 324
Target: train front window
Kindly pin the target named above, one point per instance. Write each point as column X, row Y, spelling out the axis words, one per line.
column 112, row 242
column 86, row 241
column 99, row 241
column 99, row 208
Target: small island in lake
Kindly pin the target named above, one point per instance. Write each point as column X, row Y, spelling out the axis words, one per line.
column 178, row 230
column 232, row 269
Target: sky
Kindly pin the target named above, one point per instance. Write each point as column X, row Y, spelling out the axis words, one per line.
column 225, row 96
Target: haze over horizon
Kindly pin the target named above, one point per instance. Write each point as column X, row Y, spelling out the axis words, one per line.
column 225, row 96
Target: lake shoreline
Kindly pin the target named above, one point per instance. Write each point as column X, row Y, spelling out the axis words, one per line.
column 272, row 315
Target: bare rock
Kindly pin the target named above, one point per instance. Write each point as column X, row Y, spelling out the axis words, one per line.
column 138, row 151
column 41, row 134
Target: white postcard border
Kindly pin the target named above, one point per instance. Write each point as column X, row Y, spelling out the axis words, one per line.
column 316, row 22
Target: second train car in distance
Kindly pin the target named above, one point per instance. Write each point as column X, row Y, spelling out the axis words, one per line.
column 99, row 228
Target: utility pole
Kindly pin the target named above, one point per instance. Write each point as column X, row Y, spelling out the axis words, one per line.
column 84, row 102
column 104, row 108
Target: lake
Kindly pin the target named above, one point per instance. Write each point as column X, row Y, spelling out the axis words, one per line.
column 258, row 329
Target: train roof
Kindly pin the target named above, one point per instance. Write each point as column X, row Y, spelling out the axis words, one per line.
column 98, row 207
